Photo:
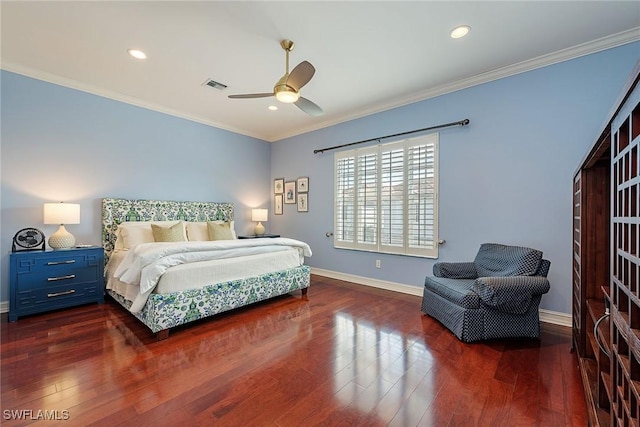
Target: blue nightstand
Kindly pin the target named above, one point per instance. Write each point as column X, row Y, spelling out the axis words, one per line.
column 49, row 280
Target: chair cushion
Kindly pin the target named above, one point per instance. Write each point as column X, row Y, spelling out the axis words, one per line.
column 458, row 291
column 496, row 260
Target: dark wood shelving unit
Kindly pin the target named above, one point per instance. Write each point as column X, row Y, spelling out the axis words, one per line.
column 625, row 261
column 591, row 278
column 606, row 266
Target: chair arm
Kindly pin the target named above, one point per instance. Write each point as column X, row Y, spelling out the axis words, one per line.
column 510, row 294
column 455, row 270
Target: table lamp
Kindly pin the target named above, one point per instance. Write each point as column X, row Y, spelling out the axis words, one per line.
column 61, row 213
column 259, row 215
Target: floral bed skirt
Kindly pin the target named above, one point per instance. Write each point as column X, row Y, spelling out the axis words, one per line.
column 169, row 310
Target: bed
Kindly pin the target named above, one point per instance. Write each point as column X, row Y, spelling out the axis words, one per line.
column 189, row 278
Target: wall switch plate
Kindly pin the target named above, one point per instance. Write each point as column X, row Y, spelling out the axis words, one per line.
column 377, row 263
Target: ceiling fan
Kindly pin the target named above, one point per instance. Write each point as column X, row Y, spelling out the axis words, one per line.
column 287, row 89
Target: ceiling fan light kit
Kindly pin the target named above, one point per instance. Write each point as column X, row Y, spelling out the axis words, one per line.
column 286, row 94
column 287, row 89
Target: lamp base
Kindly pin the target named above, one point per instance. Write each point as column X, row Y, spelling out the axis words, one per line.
column 259, row 229
column 62, row 239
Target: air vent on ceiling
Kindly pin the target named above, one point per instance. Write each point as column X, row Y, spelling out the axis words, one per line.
column 214, row 84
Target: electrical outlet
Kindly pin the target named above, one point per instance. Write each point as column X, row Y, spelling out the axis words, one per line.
column 377, row 263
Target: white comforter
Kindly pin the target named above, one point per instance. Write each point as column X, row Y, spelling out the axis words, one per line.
column 145, row 263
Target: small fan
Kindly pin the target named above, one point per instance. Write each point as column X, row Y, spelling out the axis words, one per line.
column 28, row 239
column 287, row 89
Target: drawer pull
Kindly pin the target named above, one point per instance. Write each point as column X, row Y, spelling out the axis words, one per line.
column 59, row 294
column 69, row 276
column 70, row 261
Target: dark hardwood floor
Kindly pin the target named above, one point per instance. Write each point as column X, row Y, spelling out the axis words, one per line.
column 348, row 355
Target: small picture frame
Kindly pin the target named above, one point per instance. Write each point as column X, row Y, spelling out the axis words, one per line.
column 303, row 202
column 278, row 186
column 290, row 192
column 277, row 203
column 303, row 184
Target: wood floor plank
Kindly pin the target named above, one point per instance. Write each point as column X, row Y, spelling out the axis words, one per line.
column 344, row 355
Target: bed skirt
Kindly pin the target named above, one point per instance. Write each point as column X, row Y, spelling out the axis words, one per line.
column 165, row 311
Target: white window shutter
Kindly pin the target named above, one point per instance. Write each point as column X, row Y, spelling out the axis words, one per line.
column 386, row 198
column 344, row 222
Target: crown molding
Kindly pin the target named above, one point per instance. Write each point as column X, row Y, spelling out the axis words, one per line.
column 116, row 96
column 583, row 49
column 594, row 46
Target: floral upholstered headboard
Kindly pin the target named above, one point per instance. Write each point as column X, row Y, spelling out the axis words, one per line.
column 116, row 211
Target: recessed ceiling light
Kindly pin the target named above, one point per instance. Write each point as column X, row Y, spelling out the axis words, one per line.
column 460, row 31
column 273, row 107
column 138, row 54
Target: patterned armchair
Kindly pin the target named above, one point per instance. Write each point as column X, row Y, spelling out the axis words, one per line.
column 495, row 296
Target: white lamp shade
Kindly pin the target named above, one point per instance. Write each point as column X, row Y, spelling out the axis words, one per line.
column 259, row 214
column 61, row 213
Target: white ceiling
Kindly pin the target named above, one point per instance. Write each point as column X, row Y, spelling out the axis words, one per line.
column 369, row 56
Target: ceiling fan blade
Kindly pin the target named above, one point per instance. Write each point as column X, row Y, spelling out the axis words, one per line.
column 300, row 75
column 309, row 107
column 251, row 95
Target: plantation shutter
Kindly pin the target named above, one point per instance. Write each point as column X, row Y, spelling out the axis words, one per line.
column 421, row 225
column 392, row 208
column 344, row 227
column 367, row 200
column 386, row 198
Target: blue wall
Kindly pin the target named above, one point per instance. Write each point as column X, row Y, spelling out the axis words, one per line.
column 507, row 177
column 504, row 178
column 60, row 144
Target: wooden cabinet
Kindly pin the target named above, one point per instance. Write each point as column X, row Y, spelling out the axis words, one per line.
column 625, row 262
column 43, row 281
column 606, row 266
column 591, row 279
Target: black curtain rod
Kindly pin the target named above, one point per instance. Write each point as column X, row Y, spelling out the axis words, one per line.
column 446, row 125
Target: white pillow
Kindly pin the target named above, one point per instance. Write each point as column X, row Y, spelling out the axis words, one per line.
column 132, row 233
column 198, row 231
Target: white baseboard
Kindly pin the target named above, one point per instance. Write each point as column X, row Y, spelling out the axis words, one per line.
column 547, row 316
column 367, row 281
column 555, row 318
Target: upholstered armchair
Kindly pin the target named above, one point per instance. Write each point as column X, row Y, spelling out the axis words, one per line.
column 495, row 296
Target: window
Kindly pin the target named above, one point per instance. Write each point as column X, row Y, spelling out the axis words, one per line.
column 386, row 198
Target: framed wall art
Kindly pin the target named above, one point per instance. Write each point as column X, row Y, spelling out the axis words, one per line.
column 277, row 204
column 278, row 186
column 303, row 184
column 303, row 202
column 290, row 192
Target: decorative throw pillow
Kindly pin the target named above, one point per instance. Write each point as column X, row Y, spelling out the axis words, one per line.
column 219, row 231
column 174, row 233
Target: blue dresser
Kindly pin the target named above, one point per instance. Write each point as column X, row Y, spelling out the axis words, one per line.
column 43, row 281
